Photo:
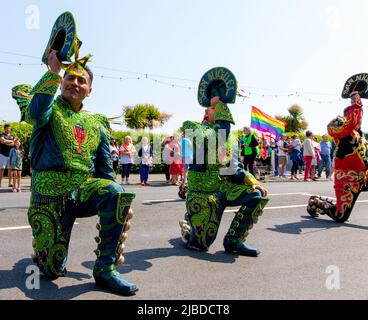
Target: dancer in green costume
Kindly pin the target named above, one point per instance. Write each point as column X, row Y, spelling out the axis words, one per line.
column 72, row 174
column 217, row 180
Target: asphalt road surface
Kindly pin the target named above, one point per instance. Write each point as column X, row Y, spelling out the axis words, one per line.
column 302, row 257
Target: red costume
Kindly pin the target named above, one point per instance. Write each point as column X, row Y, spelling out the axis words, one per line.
column 350, row 164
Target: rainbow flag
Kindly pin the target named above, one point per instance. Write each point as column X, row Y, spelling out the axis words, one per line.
column 265, row 123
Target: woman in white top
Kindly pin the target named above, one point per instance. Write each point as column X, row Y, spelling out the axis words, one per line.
column 317, row 158
column 309, row 154
column 145, row 153
column 295, row 156
column 127, row 152
column 114, row 150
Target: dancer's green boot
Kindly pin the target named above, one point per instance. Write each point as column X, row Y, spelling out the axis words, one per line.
column 245, row 218
column 113, row 228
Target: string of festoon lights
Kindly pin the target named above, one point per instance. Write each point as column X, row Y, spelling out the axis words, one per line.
column 244, row 91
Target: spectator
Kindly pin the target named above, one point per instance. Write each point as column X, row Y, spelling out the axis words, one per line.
column 166, row 158
column 333, row 154
column 316, row 160
column 127, row 152
column 282, row 151
column 302, row 166
column 249, row 145
column 289, row 140
column 15, row 163
column 326, row 151
column 187, row 154
column 145, row 153
column 268, row 148
column 309, row 154
column 274, row 158
column 6, row 143
column 176, row 164
column 295, row 156
column 114, row 150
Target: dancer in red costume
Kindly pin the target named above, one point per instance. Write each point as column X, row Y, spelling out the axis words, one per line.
column 351, row 156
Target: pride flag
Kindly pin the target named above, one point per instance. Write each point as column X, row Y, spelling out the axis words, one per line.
column 265, row 123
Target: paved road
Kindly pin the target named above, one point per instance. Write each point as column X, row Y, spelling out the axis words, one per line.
column 297, row 252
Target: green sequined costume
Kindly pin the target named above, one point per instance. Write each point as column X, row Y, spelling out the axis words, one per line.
column 72, row 177
column 217, row 180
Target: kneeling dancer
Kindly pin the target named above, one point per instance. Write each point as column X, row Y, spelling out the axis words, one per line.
column 217, row 180
column 351, row 161
column 72, row 172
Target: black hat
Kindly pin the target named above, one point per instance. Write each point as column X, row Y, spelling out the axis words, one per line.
column 220, row 82
column 358, row 83
column 63, row 38
column 308, row 133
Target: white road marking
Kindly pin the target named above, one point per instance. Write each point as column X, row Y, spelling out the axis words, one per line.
column 227, row 211
column 289, row 207
column 272, row 195
column 15, row 228
column 275, row 208
column 162, row 200
column 20, row 228
column 324, row 197
column 290, row 194
column 267, row 208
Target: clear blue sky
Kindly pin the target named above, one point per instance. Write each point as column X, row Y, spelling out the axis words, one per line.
column 278, row 46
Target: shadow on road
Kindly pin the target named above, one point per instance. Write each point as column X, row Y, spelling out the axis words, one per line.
column 161, row 184
column 9, row 190
column 17, row 277
column 151, row 202
column 139, row 260
column 312, row 223
column 151, row 184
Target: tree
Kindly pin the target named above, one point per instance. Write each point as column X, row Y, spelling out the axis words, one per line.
column 295, row 120
column 144, row 116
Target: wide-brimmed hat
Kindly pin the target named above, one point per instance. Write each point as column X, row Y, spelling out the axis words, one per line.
column 63, row 38
column 356, row 83
column 218, row 81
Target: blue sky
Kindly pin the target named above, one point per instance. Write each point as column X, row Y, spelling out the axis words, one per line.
column 272, row 47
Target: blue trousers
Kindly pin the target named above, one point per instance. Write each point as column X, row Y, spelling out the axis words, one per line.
column 144, row 171
column 325, row 162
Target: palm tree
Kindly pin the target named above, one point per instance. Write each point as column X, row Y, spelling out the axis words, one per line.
column 295, row 120
column 144, row 116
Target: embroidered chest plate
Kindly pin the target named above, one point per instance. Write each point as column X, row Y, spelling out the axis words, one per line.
column 77, row 135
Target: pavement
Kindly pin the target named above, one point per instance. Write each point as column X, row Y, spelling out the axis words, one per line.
column 302, row 257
